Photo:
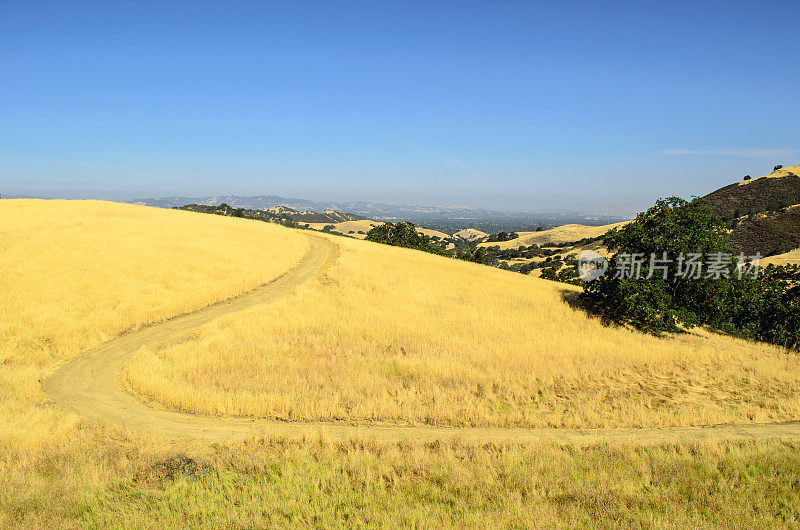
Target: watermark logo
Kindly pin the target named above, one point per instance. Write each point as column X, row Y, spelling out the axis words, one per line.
column 591, row 265
column 691, row 266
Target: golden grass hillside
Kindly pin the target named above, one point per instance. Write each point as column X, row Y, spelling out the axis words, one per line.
column 400, row 336
column 58, row 470
column 76, row 273
column 359, row 229
column 787, row 258
column 470, row 234
column 779, row 173
column 555, row 236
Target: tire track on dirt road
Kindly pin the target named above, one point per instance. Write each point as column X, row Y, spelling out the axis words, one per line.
column 90, row 384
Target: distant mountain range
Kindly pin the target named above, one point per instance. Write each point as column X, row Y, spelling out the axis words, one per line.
column 257, row 202
column 446, row 218
column 370, row 209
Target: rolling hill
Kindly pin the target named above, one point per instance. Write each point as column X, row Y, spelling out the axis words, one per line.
column 787, row 258
column 86, row 271
column 376, row 210
column 768, row 233
column 360, row 228
column 429, row 369
column 436, row 341
column 430, row 340
column 357, row 229
column 773, row 191
column 555, row 236
column 470, row 234
column 311, row 217
column 763, row 213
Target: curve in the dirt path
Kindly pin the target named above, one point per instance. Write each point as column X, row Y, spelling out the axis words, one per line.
column 90, row 384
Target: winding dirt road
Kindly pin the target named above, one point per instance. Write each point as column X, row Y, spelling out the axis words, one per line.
column 90, row 385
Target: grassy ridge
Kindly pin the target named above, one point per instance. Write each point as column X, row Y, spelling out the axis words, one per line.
column 76, row 273
column 397, row 335
column 419, row 335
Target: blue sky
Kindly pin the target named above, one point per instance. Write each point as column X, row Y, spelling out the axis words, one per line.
column 509, row 105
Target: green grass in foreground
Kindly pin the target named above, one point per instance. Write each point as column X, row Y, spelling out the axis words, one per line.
column 123, row 482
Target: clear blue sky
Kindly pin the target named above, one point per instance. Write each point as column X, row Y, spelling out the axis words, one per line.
column 513, row 105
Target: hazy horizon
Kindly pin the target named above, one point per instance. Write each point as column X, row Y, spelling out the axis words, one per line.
column 116, row 197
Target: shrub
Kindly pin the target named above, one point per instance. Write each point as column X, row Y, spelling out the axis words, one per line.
column 673, row 226
column 403, row 234
column 550, row 273
column 765, row 308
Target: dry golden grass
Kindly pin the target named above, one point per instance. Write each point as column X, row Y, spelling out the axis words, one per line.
column 398, row 335
column 432, row 233
column 346, row 227
column 78, row 259
column 788, row 258
column 564, row 253
column 106, row 478
column 783, row 172
column 76, row 273
column 352, row 228
column 555, row 236
column 470, row 234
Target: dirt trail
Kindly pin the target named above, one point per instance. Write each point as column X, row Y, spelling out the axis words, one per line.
column 90, row 384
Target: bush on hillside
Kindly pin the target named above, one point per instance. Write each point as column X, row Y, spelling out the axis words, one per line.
column 402, row 234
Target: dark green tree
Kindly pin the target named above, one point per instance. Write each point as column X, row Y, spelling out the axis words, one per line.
column 550, row 273
column 402, row 234
column 657, row 295
column 765, row 306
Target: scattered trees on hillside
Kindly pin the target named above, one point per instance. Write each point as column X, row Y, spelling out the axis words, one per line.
column 567, row 274
column 405, row 234
column 230, row 211
column 501, row 236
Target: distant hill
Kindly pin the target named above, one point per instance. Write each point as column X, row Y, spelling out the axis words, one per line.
column 470, row 234
column 448, row 219
column 771, row 192
column 256, row 202
column 764, row 213
column 281, row 214
column 366, row 209
column 787, row 258
column 326, row 216
column 559, row 235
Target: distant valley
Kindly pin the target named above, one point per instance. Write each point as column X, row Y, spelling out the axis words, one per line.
column 449, row 219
